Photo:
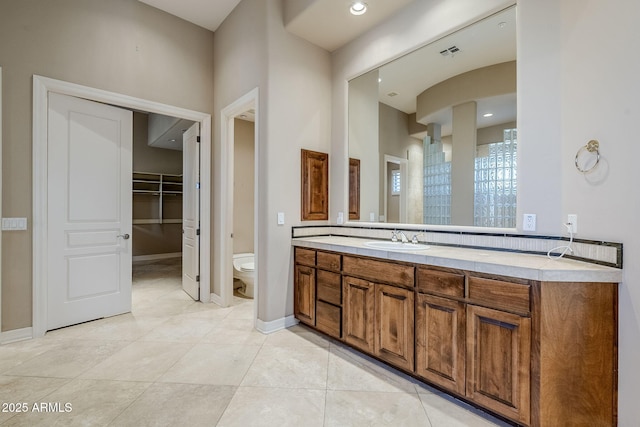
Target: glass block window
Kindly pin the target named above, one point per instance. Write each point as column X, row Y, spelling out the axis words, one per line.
column 495, row 183
column 437, row 185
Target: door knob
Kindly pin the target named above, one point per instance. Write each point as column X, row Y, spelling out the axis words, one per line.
column 124, row 236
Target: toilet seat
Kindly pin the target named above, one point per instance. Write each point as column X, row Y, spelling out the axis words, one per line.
column 247, row 266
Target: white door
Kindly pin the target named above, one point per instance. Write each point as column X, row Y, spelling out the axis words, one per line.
column 191, row 212
column 88, row 210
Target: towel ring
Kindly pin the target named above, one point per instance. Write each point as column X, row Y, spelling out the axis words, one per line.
column 592, row 147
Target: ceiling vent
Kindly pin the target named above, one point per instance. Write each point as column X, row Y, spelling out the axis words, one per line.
column 450, row 51
column 391, row 94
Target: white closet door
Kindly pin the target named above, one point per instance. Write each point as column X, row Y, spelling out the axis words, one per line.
column 191, row 212
column 88, row 210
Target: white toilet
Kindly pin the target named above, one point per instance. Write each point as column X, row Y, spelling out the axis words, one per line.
column 244, row 270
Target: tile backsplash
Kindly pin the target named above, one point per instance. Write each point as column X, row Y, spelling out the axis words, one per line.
column 594, row 251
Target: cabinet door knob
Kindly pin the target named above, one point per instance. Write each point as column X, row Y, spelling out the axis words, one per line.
column 124, row 236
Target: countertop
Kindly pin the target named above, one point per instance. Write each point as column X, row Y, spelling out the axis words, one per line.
column 513, row 264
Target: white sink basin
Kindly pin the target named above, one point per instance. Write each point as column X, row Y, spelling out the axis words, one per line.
column 396, row 246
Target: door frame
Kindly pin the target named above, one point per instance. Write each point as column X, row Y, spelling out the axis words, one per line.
column 224, row 256
column 41, row 88
column 404, row 163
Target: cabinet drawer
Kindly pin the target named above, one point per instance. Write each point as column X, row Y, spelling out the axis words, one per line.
column 328, row 318
column 329, row 287
column 440, row 282
column 329, row 261
column 305, row 256
column 514, row 297
column 379, row 271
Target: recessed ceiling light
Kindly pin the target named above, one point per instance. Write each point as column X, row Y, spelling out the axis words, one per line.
column 172, row 140
column 358, row 8
column 502, row 24
column 487, row 115
column 379, row 79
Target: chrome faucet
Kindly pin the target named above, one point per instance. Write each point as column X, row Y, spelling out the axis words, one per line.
column 403, row 237
column 394, row 236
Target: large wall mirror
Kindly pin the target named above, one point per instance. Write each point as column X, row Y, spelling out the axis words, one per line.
column 435, row 130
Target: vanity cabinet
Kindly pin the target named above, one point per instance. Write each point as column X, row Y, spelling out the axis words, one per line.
column 329, row 293
column 394, row 333
column 499, row 346
column 441, row 328
column 304, row 302
column 498, row 362
column 440, row 341
column 538, row 353
column 473, row 338
column 378, row 313
column 318, row 290
column 357, row 316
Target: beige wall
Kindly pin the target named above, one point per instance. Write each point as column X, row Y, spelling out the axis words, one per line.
column 576, row 95
column 298, row 116
column 243, row 186
column 152, row 159
column 491, row 134
column 252, row 49
column 240, row 58
column 122, row 46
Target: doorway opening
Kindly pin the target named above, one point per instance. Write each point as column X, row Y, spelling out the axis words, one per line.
column 161, row 187
column 245, row 228
column 42, row 86
column 243, row 205
column 395, row 189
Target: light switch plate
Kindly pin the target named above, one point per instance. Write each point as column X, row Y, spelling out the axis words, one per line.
column 14, row 224
column 280, row 218
column 340, row 218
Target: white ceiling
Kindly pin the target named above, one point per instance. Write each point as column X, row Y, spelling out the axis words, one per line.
column 330, row 25
column 208, row 14
column 325, row 23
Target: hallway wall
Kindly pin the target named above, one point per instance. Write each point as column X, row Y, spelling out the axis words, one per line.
column 122, row 46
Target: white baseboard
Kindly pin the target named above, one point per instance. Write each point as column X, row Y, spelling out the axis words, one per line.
column 275, row 325
column 216, row 299
column 16, row 335
column 156, row 256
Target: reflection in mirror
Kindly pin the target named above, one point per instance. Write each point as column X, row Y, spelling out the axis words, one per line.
column 435, row 130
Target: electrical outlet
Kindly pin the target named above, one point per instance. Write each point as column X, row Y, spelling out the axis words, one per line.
column 529, row 222
column 573, row 220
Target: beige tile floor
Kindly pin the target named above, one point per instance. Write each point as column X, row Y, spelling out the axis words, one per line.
column 176, row 362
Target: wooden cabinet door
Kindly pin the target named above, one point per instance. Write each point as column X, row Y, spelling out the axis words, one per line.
column 358, row 313
column 394, row 333
column 315, row 186
column 304, row 301
column 498, row 362
column 440, row 341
